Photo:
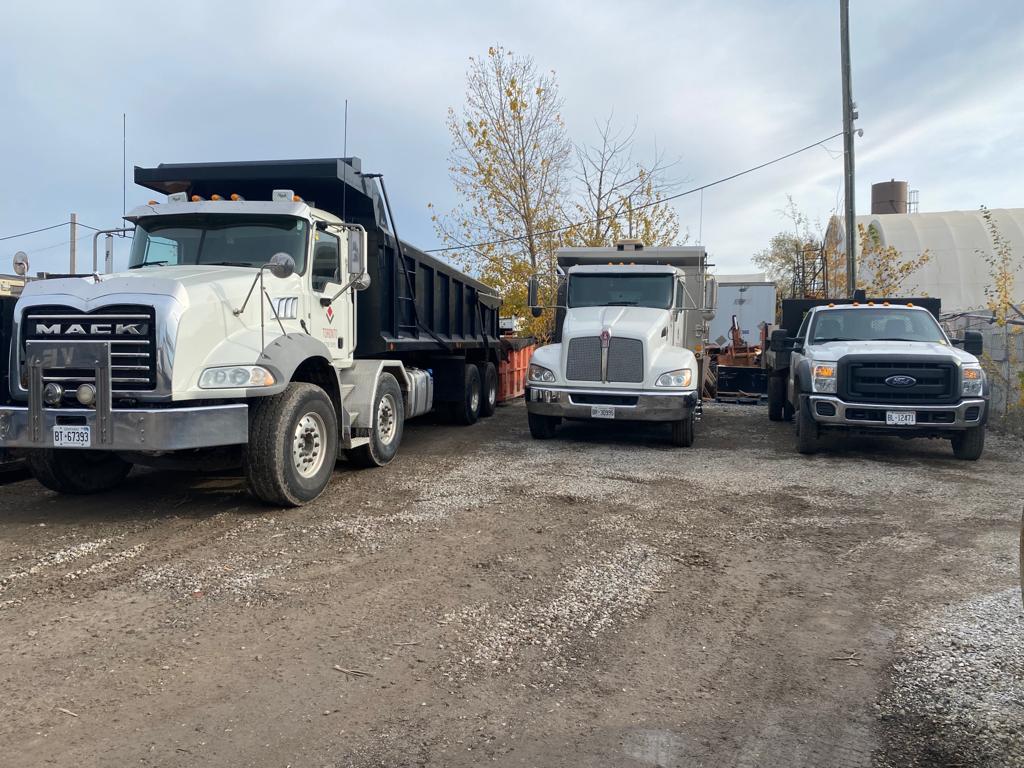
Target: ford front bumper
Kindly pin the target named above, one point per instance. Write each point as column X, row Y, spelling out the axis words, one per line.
column 829, row 410
column 626, row 405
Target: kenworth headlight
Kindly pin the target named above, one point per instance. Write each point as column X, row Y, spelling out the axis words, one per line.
column 236, row 376
column 540, row 373
column 681, row 378
column 824, row 379
column 973, row 379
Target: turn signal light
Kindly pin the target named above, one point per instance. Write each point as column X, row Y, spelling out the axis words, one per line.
column 824, row 371
column 972, row 374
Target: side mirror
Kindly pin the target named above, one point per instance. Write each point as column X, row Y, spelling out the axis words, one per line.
column 710, row 299
column 532, row 290
column 21, row 263
column 357, row 267
column 281, row 265
column 974, row 343
column 777, row 341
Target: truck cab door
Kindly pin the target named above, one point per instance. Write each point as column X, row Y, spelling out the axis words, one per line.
column 796, row 356
column 333, row 324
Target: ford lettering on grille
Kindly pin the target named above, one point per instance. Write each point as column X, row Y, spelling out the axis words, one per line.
column 901, row 381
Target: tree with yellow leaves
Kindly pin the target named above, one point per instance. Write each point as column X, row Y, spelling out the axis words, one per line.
column 510, row 162
column 884, row 264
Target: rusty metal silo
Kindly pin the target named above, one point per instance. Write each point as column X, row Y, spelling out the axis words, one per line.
column 889, row 197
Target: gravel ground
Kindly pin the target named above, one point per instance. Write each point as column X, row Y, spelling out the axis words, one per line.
column 600, row 599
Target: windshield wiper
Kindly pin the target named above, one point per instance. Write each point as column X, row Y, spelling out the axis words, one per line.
column 826, row 341
column 228, row 264
column 896, row 339
column 147, row 264
column 621, row 304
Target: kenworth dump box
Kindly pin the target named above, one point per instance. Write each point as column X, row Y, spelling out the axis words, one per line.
column 269, row 318
column 630, row 329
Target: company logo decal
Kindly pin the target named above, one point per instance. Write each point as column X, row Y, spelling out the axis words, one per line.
column 330, row 314
column 606, row 336
column 901, row 381
column 92, row 329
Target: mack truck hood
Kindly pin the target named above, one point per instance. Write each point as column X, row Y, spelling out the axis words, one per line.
column 833, row 350
column 630, row 322
column 181, row 282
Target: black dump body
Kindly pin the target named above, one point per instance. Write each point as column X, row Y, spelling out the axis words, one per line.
column 449, row 312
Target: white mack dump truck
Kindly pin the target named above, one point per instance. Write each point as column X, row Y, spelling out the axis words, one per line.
column 269, row 319
column 630, row 331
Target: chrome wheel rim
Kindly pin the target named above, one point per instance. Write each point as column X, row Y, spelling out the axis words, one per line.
column 308, row 449
column 387, row 419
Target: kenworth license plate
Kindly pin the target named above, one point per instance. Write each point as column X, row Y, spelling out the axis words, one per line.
column 71, row 437
column 900, row 418
column 602, row 412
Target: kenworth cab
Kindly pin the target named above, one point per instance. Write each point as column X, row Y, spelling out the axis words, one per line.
column 269, row 318
column 630, row 327
column 878, row 367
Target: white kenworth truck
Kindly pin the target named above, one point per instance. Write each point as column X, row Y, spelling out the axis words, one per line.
column 876, row 367
column 269, row 318
column 630, row 329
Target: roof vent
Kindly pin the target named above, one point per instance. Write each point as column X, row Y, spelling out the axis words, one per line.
column 629, row 245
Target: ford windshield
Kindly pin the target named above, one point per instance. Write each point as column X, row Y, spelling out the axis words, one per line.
column 883, row 324
column 218, row 239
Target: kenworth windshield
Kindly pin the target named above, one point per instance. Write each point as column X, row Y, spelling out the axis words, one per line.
column 222, row 239
column 875, row 325
column 620, row 291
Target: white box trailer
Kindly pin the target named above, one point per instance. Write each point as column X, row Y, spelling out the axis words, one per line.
column 751, row 298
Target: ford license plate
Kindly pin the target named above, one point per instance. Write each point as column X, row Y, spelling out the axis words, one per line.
column 900, row 418
column 72, row 437
column 602, row 412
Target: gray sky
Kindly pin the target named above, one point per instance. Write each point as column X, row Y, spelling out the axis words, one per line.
column 720, row 86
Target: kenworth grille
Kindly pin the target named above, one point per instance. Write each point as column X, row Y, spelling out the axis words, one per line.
column 130, row 330
column 625, row 360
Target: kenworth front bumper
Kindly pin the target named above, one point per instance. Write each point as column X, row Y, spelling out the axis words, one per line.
column 830, row 411
column 626, row 405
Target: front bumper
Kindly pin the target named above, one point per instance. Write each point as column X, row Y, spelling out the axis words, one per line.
column 627, row 405
column 829, row 410
column 157, row 429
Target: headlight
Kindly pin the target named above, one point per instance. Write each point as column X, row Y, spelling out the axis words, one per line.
column 540, row 373
column 681, row 378
column 824, row 379
column 973, row 379
column 236, row 376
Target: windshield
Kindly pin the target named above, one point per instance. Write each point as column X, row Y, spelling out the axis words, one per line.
column 875, row 325
column 620, row 291
column 223, row 239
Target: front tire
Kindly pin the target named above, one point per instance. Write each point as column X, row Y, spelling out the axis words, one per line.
column 808, row 437
column 542, row 427
column 77, row 472
column 388, row 411
column 969, row 444
column 293, row 445
column 683, row 432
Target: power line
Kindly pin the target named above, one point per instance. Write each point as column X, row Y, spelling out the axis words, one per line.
column 555, row 231
column 46, row 229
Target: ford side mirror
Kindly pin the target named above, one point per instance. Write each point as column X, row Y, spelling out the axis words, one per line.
column 281, row 265
column 532, row 290
column 974, row 343
column 777, row 342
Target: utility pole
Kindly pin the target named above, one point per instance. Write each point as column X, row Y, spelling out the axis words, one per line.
column 74, row 235
column 849, row 115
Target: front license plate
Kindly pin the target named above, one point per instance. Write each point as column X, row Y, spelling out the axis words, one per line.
column 72, row 437
column 602, row 412
column 900, row 418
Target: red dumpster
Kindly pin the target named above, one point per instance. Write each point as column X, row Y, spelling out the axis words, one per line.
column 515, row 359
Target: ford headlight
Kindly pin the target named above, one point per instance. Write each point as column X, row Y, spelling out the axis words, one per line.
column 540, row 373
column 824, row 379
column 973, row 379
column 236, row 376
column 681, row 378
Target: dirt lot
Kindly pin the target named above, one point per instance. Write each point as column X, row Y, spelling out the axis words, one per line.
column 602, row 600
